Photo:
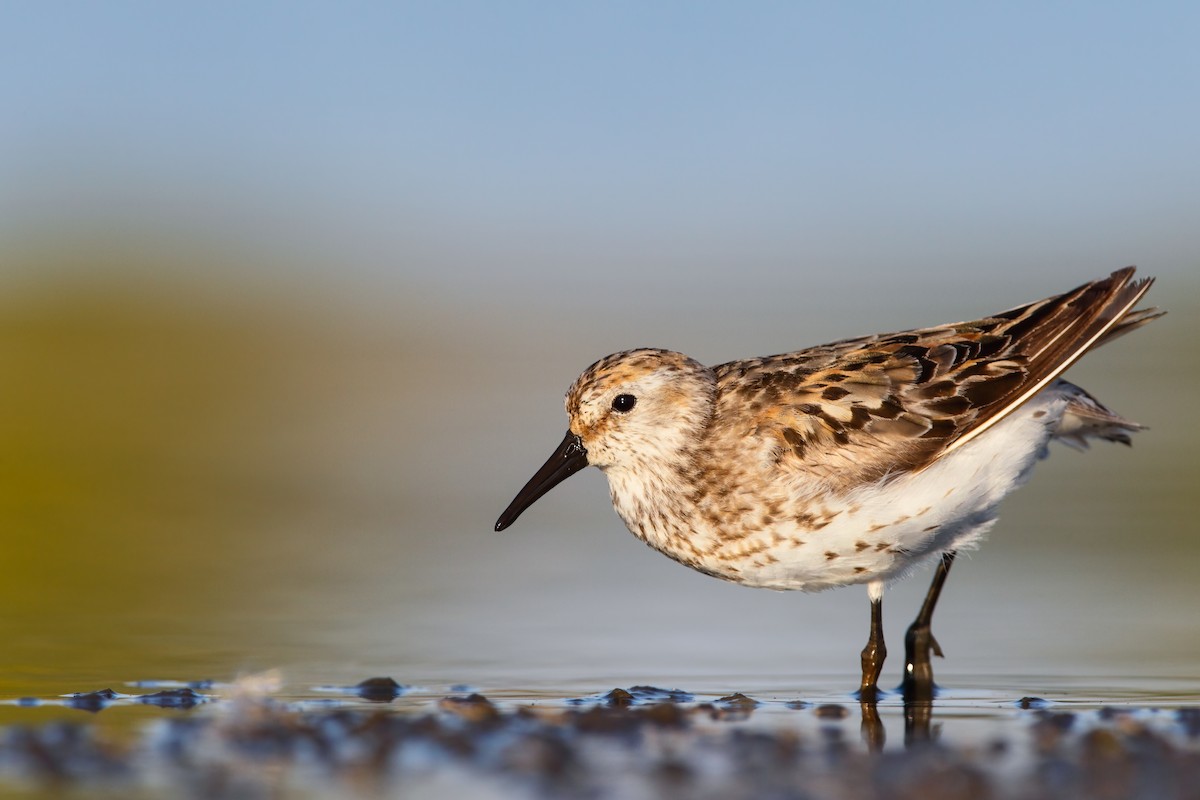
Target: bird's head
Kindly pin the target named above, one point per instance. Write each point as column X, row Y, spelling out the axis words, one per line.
column 635, row 410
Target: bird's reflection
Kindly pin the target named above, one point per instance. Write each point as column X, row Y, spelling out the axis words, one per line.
column 918, row 724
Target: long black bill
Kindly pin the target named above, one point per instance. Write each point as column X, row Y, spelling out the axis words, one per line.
column 569, row 458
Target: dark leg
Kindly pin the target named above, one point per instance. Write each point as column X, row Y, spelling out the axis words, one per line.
column 919, row 641
column 873, row 655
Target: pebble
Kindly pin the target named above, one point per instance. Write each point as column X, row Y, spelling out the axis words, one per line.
column 637, row 742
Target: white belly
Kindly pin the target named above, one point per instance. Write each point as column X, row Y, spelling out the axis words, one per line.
column 885, row 529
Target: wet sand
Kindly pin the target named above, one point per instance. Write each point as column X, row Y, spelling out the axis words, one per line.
column 381, row 738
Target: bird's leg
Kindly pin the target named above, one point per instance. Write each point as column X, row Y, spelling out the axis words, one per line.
column 874, row 653
column 919, row 641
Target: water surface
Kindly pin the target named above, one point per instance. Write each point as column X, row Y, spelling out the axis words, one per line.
column 197, row 491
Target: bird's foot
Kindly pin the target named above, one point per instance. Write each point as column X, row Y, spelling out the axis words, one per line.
column 868, row 695
column 919, row 643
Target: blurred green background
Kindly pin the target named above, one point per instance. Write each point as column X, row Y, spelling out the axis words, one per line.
column 289, row 294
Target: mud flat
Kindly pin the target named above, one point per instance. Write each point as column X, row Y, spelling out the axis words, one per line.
column 379, row 739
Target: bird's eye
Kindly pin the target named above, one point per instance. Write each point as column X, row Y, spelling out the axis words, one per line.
column 624, row 403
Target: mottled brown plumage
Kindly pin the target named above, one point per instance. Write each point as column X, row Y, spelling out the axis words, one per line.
column 895, row 402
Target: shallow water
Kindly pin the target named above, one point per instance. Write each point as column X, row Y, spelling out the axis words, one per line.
column 214, row 739
column 963, row 715
column 191, row 497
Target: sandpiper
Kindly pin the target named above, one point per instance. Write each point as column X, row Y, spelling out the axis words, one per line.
column 845, row 463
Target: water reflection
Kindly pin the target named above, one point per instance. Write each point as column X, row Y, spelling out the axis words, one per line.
column 641, row 741
column 918, row 724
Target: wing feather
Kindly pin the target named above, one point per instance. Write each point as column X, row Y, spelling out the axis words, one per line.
column 859, row 409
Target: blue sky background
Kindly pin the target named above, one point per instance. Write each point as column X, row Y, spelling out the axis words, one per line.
column 571, row 149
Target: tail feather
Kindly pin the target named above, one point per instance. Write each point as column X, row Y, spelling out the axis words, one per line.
column 1087, row 418
column 1052, row 334
column 1131, row 322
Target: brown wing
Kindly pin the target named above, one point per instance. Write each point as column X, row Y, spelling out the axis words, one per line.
column 859, row 409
